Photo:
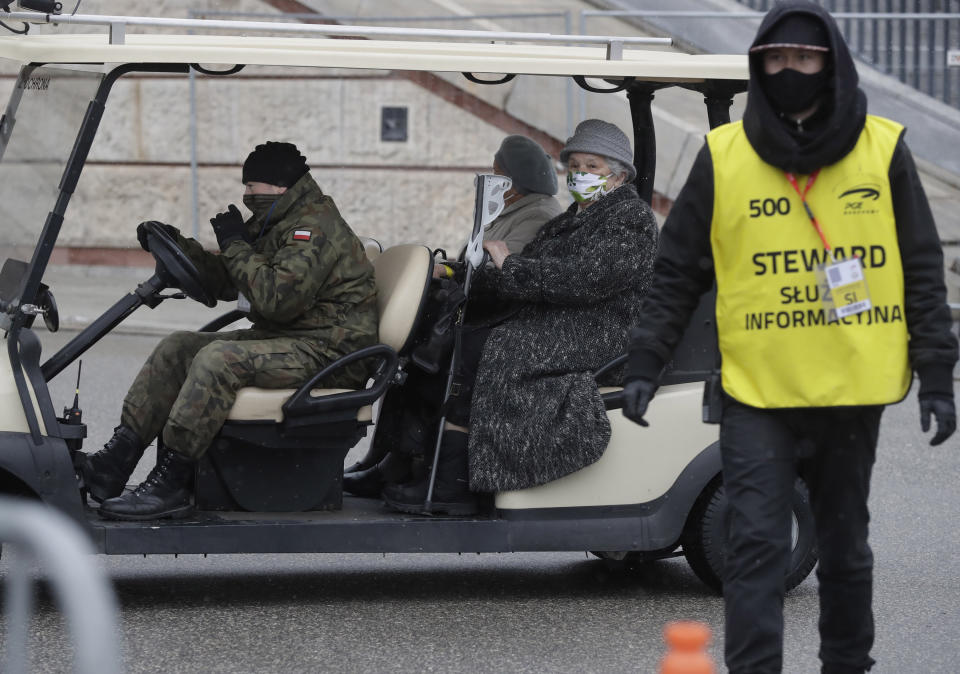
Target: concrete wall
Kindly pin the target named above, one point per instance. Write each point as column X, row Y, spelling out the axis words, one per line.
column 421, row 189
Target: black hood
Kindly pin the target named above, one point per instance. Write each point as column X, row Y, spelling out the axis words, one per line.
column 835, row 127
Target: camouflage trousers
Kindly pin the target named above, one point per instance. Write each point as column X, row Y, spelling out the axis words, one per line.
column 187, row 386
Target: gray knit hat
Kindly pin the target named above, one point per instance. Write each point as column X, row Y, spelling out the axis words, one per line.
column 595, row 136
column 528, row 164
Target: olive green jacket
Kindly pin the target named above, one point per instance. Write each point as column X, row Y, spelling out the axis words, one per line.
column 304, row 272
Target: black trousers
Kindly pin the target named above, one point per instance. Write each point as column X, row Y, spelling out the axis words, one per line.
column 409, row 415
column 472, row 339
column 833, row 450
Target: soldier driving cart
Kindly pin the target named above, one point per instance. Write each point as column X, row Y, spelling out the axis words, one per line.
column 301, row 275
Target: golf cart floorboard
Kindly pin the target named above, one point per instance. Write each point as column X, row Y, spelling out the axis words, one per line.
column 365, row 525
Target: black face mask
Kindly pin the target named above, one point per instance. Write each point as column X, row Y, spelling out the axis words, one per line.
column 259, row 203
column 790, row 91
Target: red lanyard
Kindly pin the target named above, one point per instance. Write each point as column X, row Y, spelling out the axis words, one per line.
column 803, row 197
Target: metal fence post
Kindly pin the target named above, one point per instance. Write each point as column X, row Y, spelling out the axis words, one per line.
column 17, row 609
column 947, row 98
column 39, row 533
column 571, row 121
column 581, row 94
column 194, row 172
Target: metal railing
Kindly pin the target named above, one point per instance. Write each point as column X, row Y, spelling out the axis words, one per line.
column 118, row 26
column 907, row 39
column 34, row 534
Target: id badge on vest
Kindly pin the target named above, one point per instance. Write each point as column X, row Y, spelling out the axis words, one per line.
column 843, row 287
column 243, row 304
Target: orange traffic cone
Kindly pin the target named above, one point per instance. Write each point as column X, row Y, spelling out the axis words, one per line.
column 687, row 649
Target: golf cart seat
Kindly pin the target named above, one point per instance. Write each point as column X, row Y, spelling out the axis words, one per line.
column 282, row 450
column 637, row 450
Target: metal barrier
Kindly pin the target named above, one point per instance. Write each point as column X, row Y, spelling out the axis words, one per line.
column 38, row 534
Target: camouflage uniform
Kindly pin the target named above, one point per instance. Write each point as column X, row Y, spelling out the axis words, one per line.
column 313, row 299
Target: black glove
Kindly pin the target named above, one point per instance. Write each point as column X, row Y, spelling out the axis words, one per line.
column 142, row 232
column 228, row 226
column 637, row 395
column 942, row 408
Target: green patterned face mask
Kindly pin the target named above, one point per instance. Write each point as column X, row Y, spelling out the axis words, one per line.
column 259, row 203
column 586, row 187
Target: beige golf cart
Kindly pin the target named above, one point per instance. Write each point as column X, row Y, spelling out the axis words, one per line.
column 272, row 480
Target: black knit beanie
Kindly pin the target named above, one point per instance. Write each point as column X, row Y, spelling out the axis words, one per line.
column 274, row 163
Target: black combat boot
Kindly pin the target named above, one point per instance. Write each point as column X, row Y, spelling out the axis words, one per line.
column 165, row 493
column 366, row 463
column 106, row 472
column 371, row 481
column 354, row 467
column 451, row 493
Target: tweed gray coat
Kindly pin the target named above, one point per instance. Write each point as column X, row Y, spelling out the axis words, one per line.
column 536, row 414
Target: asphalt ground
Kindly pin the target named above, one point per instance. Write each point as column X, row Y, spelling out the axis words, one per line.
column 562, row 612
column 557, row 612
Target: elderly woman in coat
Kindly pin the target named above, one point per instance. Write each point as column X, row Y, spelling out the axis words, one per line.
column 528, row 409
column 407, row 413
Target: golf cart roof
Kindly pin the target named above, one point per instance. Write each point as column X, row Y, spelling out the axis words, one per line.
column 616, row 58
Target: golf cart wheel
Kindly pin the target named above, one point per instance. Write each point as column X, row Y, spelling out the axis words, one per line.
column 704, row 536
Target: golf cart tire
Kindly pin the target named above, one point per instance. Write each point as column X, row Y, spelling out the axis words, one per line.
column 703, row 538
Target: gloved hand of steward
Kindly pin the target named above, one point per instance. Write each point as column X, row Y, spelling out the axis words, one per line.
column 942, row 408
column 228, row 226
column 142, row 232
column 637, row 395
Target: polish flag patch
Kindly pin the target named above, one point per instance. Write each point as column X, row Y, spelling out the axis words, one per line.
column 301, row 235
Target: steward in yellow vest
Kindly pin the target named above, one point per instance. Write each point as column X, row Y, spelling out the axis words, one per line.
column 810, row 219
column 780, row 345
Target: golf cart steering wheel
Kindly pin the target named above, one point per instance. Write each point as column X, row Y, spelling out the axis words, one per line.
column 174, row 268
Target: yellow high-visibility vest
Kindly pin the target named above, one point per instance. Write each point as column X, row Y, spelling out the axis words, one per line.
column 779, row 346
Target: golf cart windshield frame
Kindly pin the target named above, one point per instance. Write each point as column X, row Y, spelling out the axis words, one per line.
column 17, row 316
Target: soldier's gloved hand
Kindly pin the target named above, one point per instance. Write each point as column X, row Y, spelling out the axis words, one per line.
column 941, row 407
column 142, row 232
column 228, row 226
column 637, row 395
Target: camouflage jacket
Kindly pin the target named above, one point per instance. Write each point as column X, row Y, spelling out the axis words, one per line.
column 305, row 273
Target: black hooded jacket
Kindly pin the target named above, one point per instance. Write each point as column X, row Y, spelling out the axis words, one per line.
column 684, row 266
column 837, row 124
